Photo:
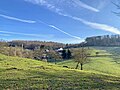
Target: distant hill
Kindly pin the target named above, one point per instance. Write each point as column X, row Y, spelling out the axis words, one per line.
column 35, row 44
column 38, row 44
column 106, row 40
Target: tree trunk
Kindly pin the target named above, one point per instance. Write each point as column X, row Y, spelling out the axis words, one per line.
column 77, row 65
column 81, row 66
column 55, row 61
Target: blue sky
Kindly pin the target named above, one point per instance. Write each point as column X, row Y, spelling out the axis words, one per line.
column 66, row 21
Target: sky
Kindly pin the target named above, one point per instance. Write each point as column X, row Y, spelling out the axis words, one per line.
column 64, row 21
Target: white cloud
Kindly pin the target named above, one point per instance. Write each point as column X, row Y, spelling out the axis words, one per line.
column 23, row 34
column 81, row 4
column 45, row 3
column 103, row 27
column 52, row 4
column 17, row 19
column 58, row 29
column 94, row 25
column 97, row 25
column 5, row 35
column 76, row 37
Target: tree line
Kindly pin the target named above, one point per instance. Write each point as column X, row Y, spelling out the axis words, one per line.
column 106, row 40
column 32, row 45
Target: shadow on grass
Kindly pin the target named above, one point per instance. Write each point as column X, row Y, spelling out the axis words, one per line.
column 40, row 80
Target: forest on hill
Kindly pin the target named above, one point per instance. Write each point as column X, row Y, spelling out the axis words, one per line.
column 105, row 40
column 32, row 45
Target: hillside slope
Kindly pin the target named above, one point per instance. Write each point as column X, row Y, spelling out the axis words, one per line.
column 27, row 74
column 104, row 63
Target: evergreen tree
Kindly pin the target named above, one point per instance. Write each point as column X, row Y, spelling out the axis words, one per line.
column 63, row 54
column 68, row 54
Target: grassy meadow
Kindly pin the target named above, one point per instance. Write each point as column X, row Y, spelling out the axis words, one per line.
column 101, row 73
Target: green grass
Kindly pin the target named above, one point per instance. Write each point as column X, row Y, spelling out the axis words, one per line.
column 26, row 74
column 97, row 64
column 104, row 64
column 112, row 50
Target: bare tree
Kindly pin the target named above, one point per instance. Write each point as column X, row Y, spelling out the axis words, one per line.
column 118, row 7
column 81, row 57
column 55, row 55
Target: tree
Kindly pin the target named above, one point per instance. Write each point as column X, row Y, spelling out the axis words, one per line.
column 68, row 54
column 54, row 55
column 81, row 57
column 118, row 7
column 63, row 54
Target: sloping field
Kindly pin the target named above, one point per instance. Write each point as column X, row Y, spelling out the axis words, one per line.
column 104, row 63
column 27, row 74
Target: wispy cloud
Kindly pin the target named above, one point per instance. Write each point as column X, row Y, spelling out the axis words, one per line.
column 17, row 19
column 51, row 4
column 81, row 4
column 97, row 25
column 58, row 29
column 64, row 32
column 46, row 3
column 5, row 35
column 22, row 34
column 36, row 35
column 94, row 25
column 102, row 27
